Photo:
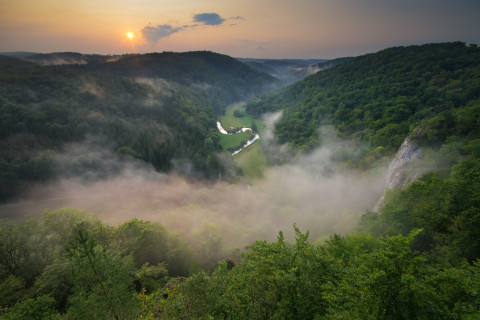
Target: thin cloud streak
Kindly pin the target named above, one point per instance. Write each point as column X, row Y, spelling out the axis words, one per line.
column 153, row 34
column 209, row 19
column 286, row 29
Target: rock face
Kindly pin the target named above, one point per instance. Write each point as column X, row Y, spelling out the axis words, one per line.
column 401, row 171
column 398, row 175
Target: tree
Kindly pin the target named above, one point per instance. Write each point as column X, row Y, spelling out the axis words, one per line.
column 385, row 281
column 39, row 308
column 150, row 242
column 102, row 281
column 254, row 127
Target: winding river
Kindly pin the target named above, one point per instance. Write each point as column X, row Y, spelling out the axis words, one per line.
column 249, row 142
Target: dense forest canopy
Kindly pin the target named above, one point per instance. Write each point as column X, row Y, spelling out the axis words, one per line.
column 154, row 107
column 220, row 78
column 418, row 257
column 378, row 99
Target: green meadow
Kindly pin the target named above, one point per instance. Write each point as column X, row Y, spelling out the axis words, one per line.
column 234, row 140
column 252, row 160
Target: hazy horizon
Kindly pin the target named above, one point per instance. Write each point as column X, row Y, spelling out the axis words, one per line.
column 129, row 53
column 304, row 29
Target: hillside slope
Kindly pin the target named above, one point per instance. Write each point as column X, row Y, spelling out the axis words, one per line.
column 80, row 120
column 377, row 99
column 428, row 93
column 219, row 78
column 288, row 70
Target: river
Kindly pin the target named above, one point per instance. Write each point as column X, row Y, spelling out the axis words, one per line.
column 249, row 142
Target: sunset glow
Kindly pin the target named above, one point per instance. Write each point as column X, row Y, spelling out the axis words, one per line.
column 247, row 28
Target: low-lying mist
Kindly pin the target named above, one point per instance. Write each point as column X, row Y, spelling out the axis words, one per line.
column 231, row 215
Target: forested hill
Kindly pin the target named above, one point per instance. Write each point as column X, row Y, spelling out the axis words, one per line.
column 379, row 98
column 6, row 61
column 156, row 107
column 417, row 258
column 222, row 79
column 288, row 70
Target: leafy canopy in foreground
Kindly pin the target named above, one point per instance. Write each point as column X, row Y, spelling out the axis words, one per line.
column 356, row 277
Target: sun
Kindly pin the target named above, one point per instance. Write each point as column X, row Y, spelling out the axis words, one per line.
column 130, row 35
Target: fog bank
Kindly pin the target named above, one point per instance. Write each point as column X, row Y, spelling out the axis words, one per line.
column 236, row 215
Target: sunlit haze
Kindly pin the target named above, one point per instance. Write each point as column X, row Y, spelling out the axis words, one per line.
column 247, row 28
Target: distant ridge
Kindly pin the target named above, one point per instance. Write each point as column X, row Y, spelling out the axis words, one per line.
column 378, row 98
column 210, row 72
column 288, row 70
column 18, row 54
column 12, row 61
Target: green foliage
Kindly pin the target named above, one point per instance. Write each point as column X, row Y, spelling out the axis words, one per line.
column 233, row 142
column 28, row 246
column 377, row 99
column 45, row 109
column 219, row 78
column 102, row 281
column 151, row 242
column 354, row 277
column 11, row 289
column 254, row 127
column 384, row 283
column 94, row 273
column 56, row 281
column 419, row 259
column 151, row 278
column 252, row 162
column 457, row 288
column 39, row 308
column 237, row 113
column 87, row 270
column 447, row 209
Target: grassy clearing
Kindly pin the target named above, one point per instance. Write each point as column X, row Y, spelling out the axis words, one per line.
column 229, row 121
column 252, row 161
column 233, row 140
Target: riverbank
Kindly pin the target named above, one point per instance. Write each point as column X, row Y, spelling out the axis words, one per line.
column 251, row 159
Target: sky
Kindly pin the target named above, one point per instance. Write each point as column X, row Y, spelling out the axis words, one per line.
column 239, row 28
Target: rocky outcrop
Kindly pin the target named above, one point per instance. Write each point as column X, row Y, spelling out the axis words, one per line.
column 402, row 170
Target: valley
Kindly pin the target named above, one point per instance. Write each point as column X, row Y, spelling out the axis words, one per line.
column 252, row 161
column 339, row 189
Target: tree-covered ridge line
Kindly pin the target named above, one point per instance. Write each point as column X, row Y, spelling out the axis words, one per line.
column 445, row 206
column 220, row 79
column 57, row 261
column 67, row 264
column 418, row 258
column 44, row 110
column 378, row 99
column 126, row 108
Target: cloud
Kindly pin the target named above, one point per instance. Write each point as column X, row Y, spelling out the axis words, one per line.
column 238, row 18
column 210, row 19
column 305, row 189
column 153, row 34
column 298, row 192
